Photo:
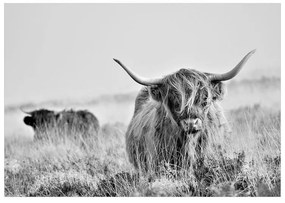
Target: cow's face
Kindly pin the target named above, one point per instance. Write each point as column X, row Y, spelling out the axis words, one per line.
column 39, row 118
column 187, row 96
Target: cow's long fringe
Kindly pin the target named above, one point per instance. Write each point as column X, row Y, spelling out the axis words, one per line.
column 189, row 88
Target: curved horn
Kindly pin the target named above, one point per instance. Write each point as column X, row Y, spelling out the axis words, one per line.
column 138, row 79
column 229, row 75
column 21, row 108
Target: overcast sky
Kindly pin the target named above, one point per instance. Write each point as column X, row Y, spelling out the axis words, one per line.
column 65, row 51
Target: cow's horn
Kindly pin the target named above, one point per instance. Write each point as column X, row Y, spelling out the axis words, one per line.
column 138, row 79
column 229, row 75
column 21, row 108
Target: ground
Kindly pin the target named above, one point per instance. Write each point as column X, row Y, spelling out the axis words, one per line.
column 249, row 166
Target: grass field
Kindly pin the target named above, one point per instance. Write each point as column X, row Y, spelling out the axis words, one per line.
column 250, row 165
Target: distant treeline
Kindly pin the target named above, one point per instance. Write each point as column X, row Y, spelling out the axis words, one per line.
column 264, row 82
column 261, row 82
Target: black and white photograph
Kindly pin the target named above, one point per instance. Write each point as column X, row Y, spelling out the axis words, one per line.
column 142, row 100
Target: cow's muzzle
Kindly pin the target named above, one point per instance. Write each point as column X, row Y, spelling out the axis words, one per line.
column 191, row 125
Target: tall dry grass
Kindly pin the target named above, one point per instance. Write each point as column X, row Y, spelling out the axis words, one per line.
column 63, row 166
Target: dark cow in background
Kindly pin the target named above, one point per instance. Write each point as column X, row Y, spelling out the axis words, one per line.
column 45, row 123
column 177, row 118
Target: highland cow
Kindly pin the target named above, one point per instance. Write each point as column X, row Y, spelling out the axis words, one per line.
column 47, row 123
column 176, row 117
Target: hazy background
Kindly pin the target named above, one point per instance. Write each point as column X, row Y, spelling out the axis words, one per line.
column 60, row 55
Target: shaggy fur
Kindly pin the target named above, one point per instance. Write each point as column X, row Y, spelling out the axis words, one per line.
column 69, row 122
column 155, row 136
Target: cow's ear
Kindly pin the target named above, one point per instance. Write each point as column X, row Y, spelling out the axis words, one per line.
column 155, row 92
column 28, row 120
column 219, row 90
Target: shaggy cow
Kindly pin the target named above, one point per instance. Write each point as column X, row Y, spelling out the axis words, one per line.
column 176, row 117
column 68, row 123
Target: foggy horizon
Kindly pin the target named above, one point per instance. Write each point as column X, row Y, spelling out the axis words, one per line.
column 66, row 51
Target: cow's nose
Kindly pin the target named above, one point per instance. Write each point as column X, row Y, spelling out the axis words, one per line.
column 191, row 124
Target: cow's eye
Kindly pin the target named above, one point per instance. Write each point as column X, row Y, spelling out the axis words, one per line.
column 173, row 104
column 176, row 106
column 205, row 102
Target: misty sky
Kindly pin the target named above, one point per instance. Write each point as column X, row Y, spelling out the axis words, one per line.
column 65, row 51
